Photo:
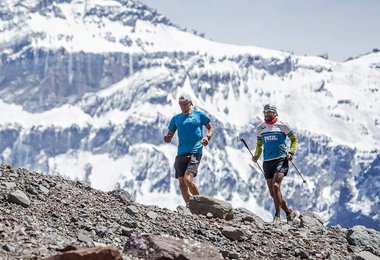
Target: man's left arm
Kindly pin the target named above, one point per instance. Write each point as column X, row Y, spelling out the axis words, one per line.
column 209, row 135
column 293, row 142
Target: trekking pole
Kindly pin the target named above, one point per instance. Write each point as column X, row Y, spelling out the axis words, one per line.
column 249, row 150
column 304, row 181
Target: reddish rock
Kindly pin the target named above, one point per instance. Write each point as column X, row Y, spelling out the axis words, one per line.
column 94, row 253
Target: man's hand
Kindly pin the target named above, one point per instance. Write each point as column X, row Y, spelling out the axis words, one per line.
column 255, row 158
column 167, row 139
column 289, row 156
column 205, row 141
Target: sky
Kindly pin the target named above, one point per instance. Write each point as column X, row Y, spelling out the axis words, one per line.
column 340, row 28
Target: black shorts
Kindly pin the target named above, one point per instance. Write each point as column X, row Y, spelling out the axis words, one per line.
column 187, row 162
column 274, row 166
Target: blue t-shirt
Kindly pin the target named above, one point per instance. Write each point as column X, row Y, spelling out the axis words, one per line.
column 190, row 131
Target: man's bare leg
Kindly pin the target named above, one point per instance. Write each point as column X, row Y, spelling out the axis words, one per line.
column 194, row 190
column 184, row 189
column 270, row 187
column 277, row 195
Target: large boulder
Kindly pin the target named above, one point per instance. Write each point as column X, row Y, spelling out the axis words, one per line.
column 243, row 214
column 312, row 214
column 94, row 253
column 166, row 247
column 20, row 198
column 366, row 238
column 311, row 221
column 202, row 205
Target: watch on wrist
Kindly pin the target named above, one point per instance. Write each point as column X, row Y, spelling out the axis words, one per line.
column 208, row 137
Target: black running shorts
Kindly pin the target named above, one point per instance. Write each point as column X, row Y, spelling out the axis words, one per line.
column 274, row 166
column 186, row 162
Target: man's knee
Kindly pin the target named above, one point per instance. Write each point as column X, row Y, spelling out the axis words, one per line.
column 188, row 182
column 276, row 187
column 188, row 178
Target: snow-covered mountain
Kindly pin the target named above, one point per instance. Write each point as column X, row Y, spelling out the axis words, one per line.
column 88, row 87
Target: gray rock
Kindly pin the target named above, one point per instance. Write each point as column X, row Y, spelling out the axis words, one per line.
column 122, row 195
column 365, row 255
column 9, row 185
column 152, row 215
column 132, row 210
column 20, row 198
column 233, row 233
column 100, row 231
column 311, row 223
column 312, row 215
column 84, row 238
column 233, row 255
column 244, row 214
column 183, row 210
column 30, row 189
column 200, row 204
column 365, row 238
column 7, row 248
column 43, row 189
column 126, row 231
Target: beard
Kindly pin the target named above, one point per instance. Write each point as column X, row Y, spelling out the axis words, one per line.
column 268, row 118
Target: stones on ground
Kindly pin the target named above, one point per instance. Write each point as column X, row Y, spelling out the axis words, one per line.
column 20, row 198
column 201, row 205
column 71, row 209
column 166, row 247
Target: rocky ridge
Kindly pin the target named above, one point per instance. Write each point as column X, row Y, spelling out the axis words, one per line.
column 43, row 215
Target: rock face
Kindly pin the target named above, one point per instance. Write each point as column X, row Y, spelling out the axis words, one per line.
column 73, row 216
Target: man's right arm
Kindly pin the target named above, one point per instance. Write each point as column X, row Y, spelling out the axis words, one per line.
column 168, row 137
column 259, row 145
column 259, row 149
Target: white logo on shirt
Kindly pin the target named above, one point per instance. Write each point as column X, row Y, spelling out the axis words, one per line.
column 270, row 138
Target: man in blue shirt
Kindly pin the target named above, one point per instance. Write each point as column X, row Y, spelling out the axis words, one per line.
column 189, row 124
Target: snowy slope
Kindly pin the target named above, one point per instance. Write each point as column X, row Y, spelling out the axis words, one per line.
column 90, row 97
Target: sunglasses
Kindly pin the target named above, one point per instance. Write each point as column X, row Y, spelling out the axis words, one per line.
column 184, row 103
